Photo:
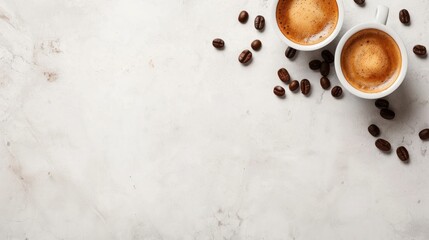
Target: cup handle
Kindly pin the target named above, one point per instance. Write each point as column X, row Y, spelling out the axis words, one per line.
column 381, row 14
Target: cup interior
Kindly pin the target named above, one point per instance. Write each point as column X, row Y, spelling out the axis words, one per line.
column 312, row 47
column 340, row 74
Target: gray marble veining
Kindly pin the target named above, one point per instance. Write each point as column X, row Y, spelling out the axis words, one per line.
column 119, row 120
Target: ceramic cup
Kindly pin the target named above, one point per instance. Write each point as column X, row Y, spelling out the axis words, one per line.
column 313, row 47
column 379, row 23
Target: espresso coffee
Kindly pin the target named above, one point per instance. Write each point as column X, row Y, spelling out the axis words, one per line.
column 307, row 22
column 371, row 60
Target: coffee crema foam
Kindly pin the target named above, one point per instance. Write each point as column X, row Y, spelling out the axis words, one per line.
column 307, row 22
column 371, row 60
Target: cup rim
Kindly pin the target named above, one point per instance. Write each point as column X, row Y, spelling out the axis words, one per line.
column 404, row 58
column 313, row 47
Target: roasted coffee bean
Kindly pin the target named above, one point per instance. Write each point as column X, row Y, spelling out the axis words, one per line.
column 290, row 52
column 245, row 56
column 424, row 134
column 387, row 114
column 374, row 130
column 327, row 56
column 218, row 43
column 420, row 50
column 283, row 75
column 337, row 92
column 360, row 2
column 402, row 153
column 325, row 83
column 382, row 103
column 243, row 17
column 294, row 85
column 383, row 145
column 325, row 69
column 315, row 64
column 259, row 22
column 404, row 16
column 305, row 86
column 279, row 91
column 256, row 45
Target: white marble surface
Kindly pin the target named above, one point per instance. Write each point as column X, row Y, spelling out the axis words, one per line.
column 119, row 120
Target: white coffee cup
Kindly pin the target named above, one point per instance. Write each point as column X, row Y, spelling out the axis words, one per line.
column 379, row 24
column 313, row 47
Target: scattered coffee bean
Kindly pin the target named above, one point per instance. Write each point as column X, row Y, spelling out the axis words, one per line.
column 259, row 22
column 279, row 91
column 315, row 64
column 374, row 130
column 404, row 16
column 256, row 45
column 245, row 56
column 402, row 153
column 337, row 92
column 360, row 2
column 305, row 86
column 243, row 17
column 325, row 69
column 327, row 56
column 290, row 52
column 218, row 43
column 382, row 103
column 424, row 134
column 383, row 145
column 294, row 85
column 420, row 50
column 283, row 75
column 387, row 114
column 325, row 83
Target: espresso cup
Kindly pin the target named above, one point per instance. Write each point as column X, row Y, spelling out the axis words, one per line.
column 307, row 25
column 371, row 60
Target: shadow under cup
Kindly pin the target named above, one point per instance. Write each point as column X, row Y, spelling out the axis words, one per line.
column 371, row 60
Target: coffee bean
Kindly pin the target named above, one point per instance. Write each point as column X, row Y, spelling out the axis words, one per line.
column 424, row 134
column 420, row 50
column 325, row 69
column 404, row 16
column 283, row 75
column 337, row 92
column 218, row 43
column 259, row 22
column 360, row 2
column 256, row 45
column 279, row 91
column 325, row 83
column 245, row 56
column 383, row 145
column 294, row 85
column 327, row 56
column 374, row 130
column 402, row 153
column 290, row 52
column 243, row 17
column 387, row 114
column 315, row 64
column 382, row 103
column 305, row 86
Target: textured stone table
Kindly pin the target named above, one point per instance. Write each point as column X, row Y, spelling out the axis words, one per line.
column 119, row 120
